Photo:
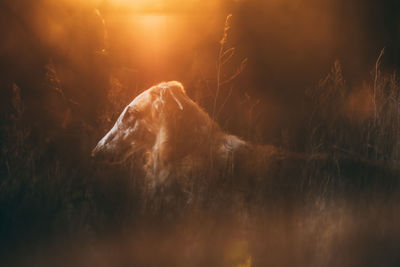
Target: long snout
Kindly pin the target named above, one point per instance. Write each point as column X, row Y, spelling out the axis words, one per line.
column 95, row 151
column 102, row 151
column 112, row 148
column 99, row 153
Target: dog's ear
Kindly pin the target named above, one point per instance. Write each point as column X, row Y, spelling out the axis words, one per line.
column 170, row 93
column 174, row 96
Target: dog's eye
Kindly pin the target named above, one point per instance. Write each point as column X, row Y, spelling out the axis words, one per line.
column 135, row 113
column 130, row 114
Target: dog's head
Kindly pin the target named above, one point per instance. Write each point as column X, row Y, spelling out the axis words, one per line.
column 140, row 123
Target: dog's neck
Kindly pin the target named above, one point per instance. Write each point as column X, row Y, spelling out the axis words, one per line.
column 187, row 141
column 166, row 161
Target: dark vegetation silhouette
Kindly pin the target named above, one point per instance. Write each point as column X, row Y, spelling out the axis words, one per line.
column 59, row 207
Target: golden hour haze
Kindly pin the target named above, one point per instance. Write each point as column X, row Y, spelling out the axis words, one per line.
column 218, row 133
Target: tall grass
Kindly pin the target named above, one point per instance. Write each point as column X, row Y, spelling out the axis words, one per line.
column 224, row 57
column 361, row 121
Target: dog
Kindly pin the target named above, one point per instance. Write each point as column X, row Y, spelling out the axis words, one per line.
column 182, row 140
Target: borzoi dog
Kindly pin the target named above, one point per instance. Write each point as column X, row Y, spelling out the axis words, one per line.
column 176, row 132
column 181, row 140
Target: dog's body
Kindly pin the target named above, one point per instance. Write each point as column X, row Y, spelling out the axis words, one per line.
column 183, row 141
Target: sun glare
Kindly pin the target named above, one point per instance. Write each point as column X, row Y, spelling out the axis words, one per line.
column 152, row 22
column 166, row 6
column 139, row 4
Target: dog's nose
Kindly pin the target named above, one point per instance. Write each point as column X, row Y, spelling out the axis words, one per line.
column 100, row 153
column 95, row 152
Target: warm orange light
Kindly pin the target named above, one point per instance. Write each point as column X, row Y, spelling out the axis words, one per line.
column 147, row 37
column 139, row 4
column 151, row 22
column 166, row 6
